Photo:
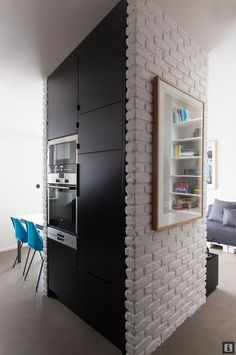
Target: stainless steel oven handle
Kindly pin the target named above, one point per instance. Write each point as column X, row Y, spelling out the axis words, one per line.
column 62, row 187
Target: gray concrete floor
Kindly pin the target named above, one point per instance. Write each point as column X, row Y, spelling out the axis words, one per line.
column 214, row 322
column 32, row 324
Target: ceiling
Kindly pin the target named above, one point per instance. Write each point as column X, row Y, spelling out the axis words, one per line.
column 36, row 35
column 39, row 34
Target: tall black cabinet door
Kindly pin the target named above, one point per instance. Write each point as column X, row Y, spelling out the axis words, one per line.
column 103, row 307
column 62, row 99
column 101, row 216
column 101, row 129
column 62, row 273
column 101, row 69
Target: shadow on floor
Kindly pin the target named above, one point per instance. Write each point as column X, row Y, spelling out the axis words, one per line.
column 33, row 324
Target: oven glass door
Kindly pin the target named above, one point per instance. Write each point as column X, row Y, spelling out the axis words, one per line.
column 62, row 207
column 62, row 153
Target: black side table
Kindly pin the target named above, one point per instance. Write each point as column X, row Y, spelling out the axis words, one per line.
column 212, row 273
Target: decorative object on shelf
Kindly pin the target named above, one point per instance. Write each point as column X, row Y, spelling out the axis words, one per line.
column 190, row 172
column 184, row 203
column 196, row 132
column 211, row 165
column 182, row 187
column 178, row 156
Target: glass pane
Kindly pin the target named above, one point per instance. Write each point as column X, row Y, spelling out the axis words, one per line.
column 62, row 209
column 62, row 153
column 179, row 156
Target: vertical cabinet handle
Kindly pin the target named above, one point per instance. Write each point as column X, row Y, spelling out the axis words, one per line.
column 78, row 180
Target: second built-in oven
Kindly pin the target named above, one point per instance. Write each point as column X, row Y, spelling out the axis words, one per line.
column 62, row 184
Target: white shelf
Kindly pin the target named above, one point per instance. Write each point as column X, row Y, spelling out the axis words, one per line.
column 189, row 176
column 188, row 157
column 184, row 194
column 187, row 123
column 191, row 139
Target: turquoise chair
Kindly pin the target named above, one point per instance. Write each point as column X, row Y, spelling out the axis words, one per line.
column 35, row 242
column 21, row 235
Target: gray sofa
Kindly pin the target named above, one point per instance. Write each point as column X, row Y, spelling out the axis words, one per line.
column 220, row 233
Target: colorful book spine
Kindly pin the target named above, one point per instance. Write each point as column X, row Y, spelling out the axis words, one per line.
column 177, row 150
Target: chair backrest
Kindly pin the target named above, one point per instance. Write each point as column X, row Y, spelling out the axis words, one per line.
column 35, row 241
column 20, row 230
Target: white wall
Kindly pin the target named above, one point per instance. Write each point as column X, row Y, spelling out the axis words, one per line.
column 165, row 271
column 222, row 118
column 20, row 148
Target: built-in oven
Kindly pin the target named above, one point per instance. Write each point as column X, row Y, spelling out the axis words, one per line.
column 62, row 184
column 62, row 152
column 62, row 207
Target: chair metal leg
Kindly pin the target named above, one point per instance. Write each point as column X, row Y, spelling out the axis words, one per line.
column 15, row 261
column 30, row 265
column 39, row 275
column 41, row 255
column 19, row 246
column 26, row 261
column 17, row 254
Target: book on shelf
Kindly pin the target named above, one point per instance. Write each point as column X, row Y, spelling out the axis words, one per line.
column 177, row 150
column 186, row 154
column 182, row 151
column 180, row 115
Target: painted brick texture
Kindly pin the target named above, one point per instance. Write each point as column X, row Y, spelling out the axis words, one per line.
column 165, row 271
column 45, row 201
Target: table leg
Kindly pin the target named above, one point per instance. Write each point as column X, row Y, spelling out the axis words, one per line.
column 19, row 251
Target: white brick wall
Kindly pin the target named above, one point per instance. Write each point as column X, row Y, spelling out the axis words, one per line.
column 45, row 183
column 165, row 271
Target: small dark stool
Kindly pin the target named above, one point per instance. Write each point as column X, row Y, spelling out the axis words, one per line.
column 212, row 273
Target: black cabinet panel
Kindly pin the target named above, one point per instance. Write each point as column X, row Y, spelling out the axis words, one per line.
column 103, row 307
column 101, row 216
column 101, row 129
column 62, row 99
column 62, row 273
column 101, row 73
column 112, row 22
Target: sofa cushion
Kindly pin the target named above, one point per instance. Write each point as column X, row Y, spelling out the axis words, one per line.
column 216, row 213
column 209, row 210
column 229, row 217
column 218, row 233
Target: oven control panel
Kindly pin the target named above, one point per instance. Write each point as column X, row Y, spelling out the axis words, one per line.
column 62, row 178
column 62, row 237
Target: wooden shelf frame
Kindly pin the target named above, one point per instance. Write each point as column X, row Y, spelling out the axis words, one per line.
column 160, row 203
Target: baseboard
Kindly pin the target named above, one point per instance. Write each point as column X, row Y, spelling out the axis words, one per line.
column 7, row 249
column 11, row 248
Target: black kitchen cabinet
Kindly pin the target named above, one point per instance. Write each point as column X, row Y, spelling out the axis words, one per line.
column 101, row 129
column 101, row 70
column 101, row 212
column 62, row 99
column 102, row 306
column 87, row 95
column 62, row 273
column 101, row 157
